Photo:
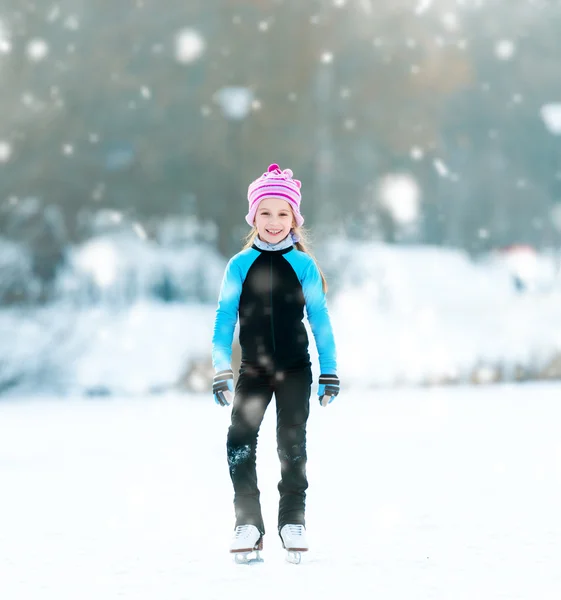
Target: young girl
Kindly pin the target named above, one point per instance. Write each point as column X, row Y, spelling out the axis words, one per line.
column 268, row 284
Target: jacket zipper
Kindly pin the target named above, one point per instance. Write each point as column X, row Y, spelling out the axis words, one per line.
column 271, row 297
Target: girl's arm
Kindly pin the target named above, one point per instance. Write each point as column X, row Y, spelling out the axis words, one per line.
column 318, row 316
column 226, row 317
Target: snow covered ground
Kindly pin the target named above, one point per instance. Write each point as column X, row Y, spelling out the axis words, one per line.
column 423, row 494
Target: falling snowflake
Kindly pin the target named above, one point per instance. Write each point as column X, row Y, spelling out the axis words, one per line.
column 504, row 49
column 551, row 115
column 5, row 43
column 189, row 46
column 450, row 21
column 53, row 14
column 28, row 99
column 400, row 195
column 140, row 231
column 441, row 168
column 327, row 58
column 423, row 6
column 235, row 101
column 72, row 22
column 5, row 151
column 417, row 153
column 37, row 50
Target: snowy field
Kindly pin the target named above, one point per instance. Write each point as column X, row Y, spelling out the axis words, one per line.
column 437, row 493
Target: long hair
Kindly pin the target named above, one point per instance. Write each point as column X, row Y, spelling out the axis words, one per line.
column 303, row 245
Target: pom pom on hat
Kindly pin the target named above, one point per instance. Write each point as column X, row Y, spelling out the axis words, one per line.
column 275, row 183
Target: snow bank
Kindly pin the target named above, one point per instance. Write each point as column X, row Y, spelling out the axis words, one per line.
column 416, row 315
column 402, row 316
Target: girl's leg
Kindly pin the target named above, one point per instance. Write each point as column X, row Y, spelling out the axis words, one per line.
column 292, row 392
column 252, row 396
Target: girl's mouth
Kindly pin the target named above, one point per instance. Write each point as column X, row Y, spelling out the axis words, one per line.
column 274, row 233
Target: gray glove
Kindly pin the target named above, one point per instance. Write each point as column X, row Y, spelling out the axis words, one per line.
column 223, row 387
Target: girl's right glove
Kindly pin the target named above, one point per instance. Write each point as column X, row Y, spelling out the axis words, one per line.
column 223, row 387
column 328, row 388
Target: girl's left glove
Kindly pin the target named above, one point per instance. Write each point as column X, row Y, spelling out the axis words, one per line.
column 328, row 388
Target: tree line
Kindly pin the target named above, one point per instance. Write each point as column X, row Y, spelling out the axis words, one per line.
column 102, row 109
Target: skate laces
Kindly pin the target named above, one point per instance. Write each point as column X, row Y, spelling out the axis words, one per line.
column 242, row 530
column 295, row 529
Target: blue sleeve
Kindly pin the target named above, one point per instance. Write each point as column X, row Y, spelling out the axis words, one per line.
column 318, row 317
column 226, row 317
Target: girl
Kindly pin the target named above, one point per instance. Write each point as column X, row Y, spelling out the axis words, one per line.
column 268, row 284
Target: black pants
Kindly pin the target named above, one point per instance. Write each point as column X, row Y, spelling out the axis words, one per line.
column 254, row 390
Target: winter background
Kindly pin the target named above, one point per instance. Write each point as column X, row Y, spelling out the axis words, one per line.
column 427, row 135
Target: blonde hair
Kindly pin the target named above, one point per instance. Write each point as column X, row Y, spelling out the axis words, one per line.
column 302, row 245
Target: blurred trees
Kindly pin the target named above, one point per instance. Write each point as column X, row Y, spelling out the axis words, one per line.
column 104, row 106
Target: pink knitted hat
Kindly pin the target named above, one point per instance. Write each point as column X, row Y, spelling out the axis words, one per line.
column 275, row 184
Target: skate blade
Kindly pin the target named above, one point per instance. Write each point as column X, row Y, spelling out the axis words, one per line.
column 248, row 558
column 294, row 556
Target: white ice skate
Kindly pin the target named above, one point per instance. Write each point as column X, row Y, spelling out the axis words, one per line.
column 246, row 544
column 294, row 542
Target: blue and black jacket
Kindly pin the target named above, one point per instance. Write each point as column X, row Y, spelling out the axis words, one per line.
column 268, row 290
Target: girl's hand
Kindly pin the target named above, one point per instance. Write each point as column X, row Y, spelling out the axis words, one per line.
column 227, row 397
column 223, row 387
column 328, row 388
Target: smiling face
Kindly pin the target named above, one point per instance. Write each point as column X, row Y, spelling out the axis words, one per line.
column 273, row 220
